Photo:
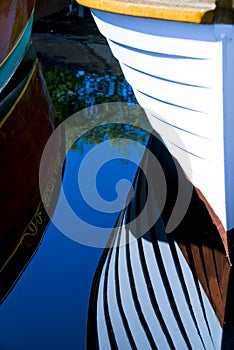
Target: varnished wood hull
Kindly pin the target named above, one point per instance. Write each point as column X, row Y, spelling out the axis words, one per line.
column 16, row 18
column 26, row 126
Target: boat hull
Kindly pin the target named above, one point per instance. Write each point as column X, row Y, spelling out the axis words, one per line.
column 16, row 19
column 28, row 121
column 181, row 74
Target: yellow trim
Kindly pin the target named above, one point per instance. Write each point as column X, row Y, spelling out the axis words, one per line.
column 174, row 10
column 38, row 221
column 36, row 64
column 22, row 238
column 22, row 34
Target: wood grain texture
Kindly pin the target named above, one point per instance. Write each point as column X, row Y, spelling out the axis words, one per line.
column 14, row 16
column 184, row 11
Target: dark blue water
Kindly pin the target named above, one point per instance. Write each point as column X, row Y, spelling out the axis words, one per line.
column 47, row 308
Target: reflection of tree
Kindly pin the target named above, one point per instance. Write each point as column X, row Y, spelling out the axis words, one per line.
column 72, row 91
column 107, row 122
column 119, row 134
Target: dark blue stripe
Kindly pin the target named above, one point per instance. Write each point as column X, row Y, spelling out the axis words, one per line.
column 185, row 150
column 158, row 54
column 164, row 79
column 169, row 103
column 177, row 127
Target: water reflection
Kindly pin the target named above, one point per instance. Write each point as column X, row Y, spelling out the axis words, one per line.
column 24, row 130
column 50, row 300
column 162, row 291
column 72, row 91
column 108, row 146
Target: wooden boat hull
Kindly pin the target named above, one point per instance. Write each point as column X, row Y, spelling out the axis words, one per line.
column 181, row 74
column 162, row 291
column 28, row 121
column 16, row 18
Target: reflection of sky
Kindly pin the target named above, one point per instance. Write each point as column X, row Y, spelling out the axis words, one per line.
column 106, row 180
column 97, row 170
column 75, row 90
column 47, row 309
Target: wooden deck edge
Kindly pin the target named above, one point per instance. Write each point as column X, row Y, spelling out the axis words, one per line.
column 181, row 14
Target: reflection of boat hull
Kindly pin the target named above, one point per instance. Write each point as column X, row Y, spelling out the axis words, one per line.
column 162, row 291
column 16, row 23
column 25, row 128
column 181, row 74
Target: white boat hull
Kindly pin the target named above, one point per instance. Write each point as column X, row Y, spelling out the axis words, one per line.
column 182, row 75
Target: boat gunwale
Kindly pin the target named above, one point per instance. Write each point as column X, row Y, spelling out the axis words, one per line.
column 201, row 15
column 30, row 20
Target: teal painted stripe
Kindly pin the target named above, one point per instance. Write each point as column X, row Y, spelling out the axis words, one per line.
column 10, row 65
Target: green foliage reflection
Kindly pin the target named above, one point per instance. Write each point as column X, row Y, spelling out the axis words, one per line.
column 71, row 91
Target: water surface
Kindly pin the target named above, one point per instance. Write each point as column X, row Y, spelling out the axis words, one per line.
column 47, row 308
